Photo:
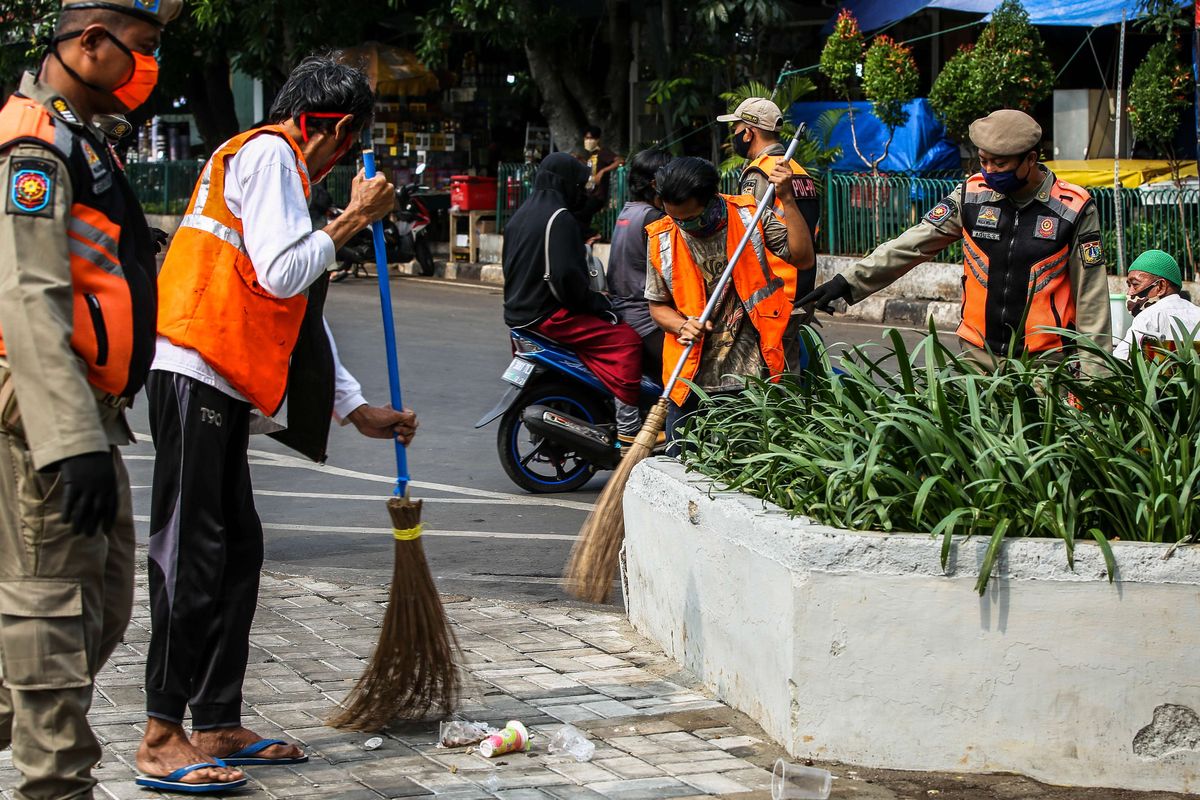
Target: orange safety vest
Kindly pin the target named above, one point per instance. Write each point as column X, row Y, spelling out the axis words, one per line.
column 757, row 279
column 111, row 250
column 209, row 297
column 1015, row 257
column 803, row 188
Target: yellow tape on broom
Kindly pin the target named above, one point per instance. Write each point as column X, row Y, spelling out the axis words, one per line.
column 407, row 534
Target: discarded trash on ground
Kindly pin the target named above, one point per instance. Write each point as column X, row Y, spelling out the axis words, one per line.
column 458, row 733
column 574, row 742
column 374, row 743
column 798, row 782
column 513, row 738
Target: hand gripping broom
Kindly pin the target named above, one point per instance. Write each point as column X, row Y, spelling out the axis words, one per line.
column 412, row 669
column 594, row 557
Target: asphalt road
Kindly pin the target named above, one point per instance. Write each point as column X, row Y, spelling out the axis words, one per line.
column 484, row 536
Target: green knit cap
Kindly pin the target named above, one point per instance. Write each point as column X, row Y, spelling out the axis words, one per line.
column 1158, row 263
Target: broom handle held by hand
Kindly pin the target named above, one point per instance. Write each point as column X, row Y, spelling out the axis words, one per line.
column 763, row 205
column 389, row 323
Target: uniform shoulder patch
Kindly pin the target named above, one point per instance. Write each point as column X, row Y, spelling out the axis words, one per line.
column 64, row 111
column 942, row 211
column 1091, row 252
column 31, row 187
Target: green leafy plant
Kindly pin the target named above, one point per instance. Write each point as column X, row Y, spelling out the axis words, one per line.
column 842, row 54
column 1007, row 67
column 917, row 440
column 1159, row 95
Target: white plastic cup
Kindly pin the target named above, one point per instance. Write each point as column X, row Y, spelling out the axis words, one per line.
column 797, row 782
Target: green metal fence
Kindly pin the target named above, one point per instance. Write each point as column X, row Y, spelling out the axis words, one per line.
column 516, row 182
column 860, row 212
column 164, row 187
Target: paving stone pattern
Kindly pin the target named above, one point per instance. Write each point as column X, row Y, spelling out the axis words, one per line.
column 657, row 733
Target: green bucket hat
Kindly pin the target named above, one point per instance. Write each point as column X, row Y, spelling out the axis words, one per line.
column 1160, row 264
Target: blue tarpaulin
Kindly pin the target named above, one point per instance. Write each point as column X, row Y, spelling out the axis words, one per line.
column 921, row 146
column 875, row 14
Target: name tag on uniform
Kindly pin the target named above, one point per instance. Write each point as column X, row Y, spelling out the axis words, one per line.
column 992, row 235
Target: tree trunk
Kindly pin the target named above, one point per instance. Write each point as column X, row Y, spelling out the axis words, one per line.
column 210, row 98
column 620, row 45
column 557, row 105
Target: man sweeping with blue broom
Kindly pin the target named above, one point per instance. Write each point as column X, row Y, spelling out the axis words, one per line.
column 240, row 328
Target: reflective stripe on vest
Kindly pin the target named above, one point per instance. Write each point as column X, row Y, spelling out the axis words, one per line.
column 210, row 300
column 755, row 282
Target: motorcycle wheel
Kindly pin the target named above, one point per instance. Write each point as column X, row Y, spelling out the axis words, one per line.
column 535, row 464
column 424, row 256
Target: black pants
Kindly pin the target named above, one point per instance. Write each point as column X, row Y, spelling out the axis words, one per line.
column 652, row 354
column 206, row 553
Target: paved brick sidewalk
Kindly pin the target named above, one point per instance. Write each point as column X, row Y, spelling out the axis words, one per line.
column 657, row 734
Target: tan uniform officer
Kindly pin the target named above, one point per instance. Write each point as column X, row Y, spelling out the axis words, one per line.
column 1032, row 258
column 77, row 313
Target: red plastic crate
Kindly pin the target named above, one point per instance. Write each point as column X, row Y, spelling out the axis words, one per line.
column 472, row 193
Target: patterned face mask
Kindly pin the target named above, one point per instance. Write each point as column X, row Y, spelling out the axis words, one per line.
column 707, row 223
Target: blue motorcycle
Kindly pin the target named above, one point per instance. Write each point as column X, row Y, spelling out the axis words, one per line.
column 557, row 420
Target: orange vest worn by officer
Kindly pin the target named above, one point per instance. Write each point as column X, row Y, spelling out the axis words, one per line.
column 209, row 297
column 111, row 249
column 757, row 279
column 804, row 189
column 1015, row 257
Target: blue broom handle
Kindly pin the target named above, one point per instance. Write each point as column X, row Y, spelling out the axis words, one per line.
column 389, row 324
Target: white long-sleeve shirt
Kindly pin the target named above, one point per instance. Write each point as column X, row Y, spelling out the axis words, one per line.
column 263, row 189
column 1162, row 320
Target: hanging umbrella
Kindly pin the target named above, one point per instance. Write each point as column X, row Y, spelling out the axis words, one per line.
column 391, row 70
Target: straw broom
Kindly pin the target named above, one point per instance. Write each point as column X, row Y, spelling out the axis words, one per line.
column 593, row 563
column 413, row 667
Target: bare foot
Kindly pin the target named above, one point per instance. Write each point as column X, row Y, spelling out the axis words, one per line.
column 165, row 748
column 222, row 742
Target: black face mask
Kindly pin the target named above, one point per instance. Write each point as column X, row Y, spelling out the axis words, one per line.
column 741, row 146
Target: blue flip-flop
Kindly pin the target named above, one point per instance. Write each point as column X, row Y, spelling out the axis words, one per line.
column 248, row 756
column 174, row 783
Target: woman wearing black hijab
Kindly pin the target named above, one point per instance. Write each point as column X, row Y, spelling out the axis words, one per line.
column 564, row 308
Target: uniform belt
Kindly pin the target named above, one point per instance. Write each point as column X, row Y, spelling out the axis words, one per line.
column 110, row 400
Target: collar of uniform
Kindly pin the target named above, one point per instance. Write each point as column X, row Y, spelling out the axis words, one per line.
column 776, row 149
column 55, row 103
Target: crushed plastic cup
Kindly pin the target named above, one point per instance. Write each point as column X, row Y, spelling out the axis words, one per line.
column 513, row 738
column 374, row 743
column 572, row 741
column 797, row 782
column 458, row 733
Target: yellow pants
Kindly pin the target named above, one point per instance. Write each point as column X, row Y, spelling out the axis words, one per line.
column 65, row 600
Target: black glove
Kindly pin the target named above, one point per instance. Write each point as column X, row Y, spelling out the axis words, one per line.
column 823, row 296
column 160, row 239
column 89, row 488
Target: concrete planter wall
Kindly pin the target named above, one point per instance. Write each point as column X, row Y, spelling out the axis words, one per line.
column 856, row 647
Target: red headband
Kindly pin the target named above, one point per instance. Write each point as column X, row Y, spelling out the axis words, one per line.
column 319, row 115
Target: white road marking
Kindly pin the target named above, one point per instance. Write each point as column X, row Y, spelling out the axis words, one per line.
column 264, row 458
column 282, row 526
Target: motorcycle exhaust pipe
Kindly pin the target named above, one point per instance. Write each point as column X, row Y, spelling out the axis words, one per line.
column 597, row 443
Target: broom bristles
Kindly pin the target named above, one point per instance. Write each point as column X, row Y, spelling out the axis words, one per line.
column 593, row 564
column 413, row 667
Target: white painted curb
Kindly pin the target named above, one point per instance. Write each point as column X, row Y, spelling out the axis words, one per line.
column 856, row 647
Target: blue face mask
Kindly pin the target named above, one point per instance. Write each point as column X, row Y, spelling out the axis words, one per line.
column 1005, row 183
column 709, row 222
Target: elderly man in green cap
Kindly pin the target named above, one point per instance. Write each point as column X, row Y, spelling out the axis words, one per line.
column 1032, row 258
column 1159, row 310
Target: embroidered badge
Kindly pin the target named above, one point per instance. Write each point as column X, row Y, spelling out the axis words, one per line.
column 941, row 212
column 31, row 189
column 1091, row 252
column 64, row 111
column 1047, row 228
column 989, row 217
column 96, row 165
